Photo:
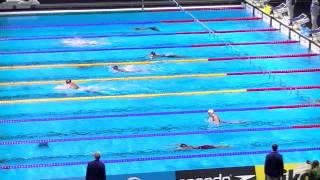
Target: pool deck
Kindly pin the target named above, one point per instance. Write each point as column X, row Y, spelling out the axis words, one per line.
column 253, row 3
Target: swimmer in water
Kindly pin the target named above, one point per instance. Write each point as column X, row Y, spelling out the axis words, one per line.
column 116, row 68
column 153, row 55
column 79, row 42
column 126, row 70
column 43, row 145
column 153, row 28
column 213, row 117
column 189, row 147
column 71, row 85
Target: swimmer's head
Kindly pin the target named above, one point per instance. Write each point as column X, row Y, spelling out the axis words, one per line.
column 274, row 147
column 211, row 111
column 152, row 55
column 43, row 144
column 115, row 67
column 97, row 155
column 68, row 81
column 154, row 28
column 183, row 145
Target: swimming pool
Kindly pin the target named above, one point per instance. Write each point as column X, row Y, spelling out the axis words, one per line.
column 263, row 79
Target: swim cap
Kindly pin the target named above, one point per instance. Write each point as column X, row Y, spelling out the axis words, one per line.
column 210, row 111
column 68, row 81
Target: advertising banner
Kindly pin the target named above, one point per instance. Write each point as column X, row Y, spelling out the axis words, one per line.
column 234, row 173
column 292, row 172
column 297, row 171
column 145, row 176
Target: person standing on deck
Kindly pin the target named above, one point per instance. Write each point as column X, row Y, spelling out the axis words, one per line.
column 273, row 167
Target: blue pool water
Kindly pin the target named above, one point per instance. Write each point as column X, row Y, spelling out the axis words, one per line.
column 70, row 120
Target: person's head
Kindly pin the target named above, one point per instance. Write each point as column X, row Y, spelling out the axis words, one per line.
column 115, row 67
column 97, row 155
column 68, row 81
column 152, row 53
column 274, row 147
column 154, row 28
column 43, row 144
column 315, row 163
column 308, row 162
column 210, row 111
column 183, row 145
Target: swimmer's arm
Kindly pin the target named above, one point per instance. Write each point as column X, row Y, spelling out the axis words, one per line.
column 176, row 148
column 216, row 120
column 123, row 70
column 173, row 56
column 221, row 146
column 151, row 57
column 234, row 122
column 182, row 149
column 173, row 145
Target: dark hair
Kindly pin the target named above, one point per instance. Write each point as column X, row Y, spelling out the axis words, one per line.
column 153, row 53
column 183, row 145
column 68, row 81
column 43, row 144
column 115, row 67
column 315, row 164
column 274, row 147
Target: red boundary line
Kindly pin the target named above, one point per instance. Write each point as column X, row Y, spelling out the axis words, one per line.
column 243, row 43
column 263, row 57
column 306, row 126
column 212, row 20
column 273, row 72
column 195, row 9
column 282, row 88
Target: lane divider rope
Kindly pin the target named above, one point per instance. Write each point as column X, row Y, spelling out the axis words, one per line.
column 134, row 136
column 6, row 27
column 157, row 61
column 113, row 79
column 159, row 158
column 196, row 9
column 149, row 47
column 136, row 35
column 42, row 100
column 212, row 20
column 161, row 77
column 109, row 116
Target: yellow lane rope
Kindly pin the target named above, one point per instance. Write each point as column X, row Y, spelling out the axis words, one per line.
column 120, row 96
column 100, row 64
column 113, row 79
